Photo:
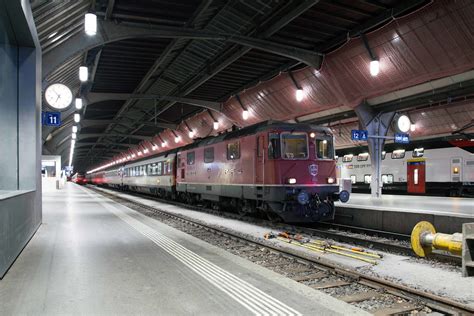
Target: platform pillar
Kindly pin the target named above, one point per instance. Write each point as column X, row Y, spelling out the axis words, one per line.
column 377, row 124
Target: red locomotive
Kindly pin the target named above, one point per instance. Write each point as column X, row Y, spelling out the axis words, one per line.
column 284, row 170
column 79, row 178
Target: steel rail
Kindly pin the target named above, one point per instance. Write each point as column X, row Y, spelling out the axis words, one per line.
column 430, row 300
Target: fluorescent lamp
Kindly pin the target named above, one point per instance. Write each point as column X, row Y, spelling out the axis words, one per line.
column 78, row 103
column 374, row 68
column 77, row 117
column 90, row 24
column 191, row 134
column 74, row 135
column 83, row 73
column 176, row 139
column 215, row 125
column 245, row 114
column 299, row 95
column 74, row 129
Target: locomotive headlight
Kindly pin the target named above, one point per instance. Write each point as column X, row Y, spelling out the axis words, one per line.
column 330, row 180
column 291, row 180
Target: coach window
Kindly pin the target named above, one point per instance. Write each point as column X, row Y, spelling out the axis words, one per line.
column 166, row 165
column 190, row 158
column 418, row 152
column 367, row 178
column 398, row 154
column 159, row 169
column 168, row 168
column 294, row 145
column 233, row 151
column 347, row 158
column 209, row 154
column 273, row 146
column 363, row 157
column 353, row 178
column 324, row 149
column 387, row 178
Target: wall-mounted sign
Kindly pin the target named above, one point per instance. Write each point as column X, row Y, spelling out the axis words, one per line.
column 51, row 118
column 359, row 134
column 402, row 138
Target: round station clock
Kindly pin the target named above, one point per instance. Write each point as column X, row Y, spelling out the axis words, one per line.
column 58, row 96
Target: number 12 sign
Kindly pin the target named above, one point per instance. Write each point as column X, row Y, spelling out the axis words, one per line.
column 51, row 118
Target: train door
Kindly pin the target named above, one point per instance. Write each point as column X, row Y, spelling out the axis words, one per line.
column 180, row 167
column 416, row 175
column 456, row 168
column 260, row 159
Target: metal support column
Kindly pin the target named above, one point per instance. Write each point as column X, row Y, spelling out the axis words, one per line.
column 377, row 125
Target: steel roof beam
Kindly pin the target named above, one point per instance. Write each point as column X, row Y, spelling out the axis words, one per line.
column 110, row 32
column 94, row 97
column 87, row 123
column 216, row 68
column 144, row 83
column 91, row 135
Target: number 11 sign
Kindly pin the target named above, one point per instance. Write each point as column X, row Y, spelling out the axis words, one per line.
column 51, row 118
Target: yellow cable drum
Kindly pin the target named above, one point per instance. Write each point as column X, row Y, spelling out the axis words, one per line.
column 424, row 239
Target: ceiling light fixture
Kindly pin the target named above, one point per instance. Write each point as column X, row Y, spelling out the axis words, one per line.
column 245, row 111
column 78, row 103
column 90, row 24
column 77, row 117
column 374, row 65
column 299, row 94
column 74, row 129
column 83, row 73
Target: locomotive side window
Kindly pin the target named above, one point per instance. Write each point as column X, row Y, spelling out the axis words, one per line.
column 324, row 149
column 190, row 158
column 209, row 154
column 398, row 154
column 233, row 151
column 273, row 146
column 294, row 146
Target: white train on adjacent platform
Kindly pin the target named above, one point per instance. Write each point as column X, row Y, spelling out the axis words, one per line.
column 439, row 171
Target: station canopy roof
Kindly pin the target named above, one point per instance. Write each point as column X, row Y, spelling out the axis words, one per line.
column 161, row 69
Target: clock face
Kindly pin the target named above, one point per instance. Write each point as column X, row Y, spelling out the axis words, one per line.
column 58, row 96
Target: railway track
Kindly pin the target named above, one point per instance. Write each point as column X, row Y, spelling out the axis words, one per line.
column 363, row 237
column 373, row 294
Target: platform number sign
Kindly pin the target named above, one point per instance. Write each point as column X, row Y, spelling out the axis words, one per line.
column 359, row 134
column 51, row 118
column 402, row 138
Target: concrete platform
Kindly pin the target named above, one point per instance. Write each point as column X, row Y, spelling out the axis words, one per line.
column 399, row 213
column 93, row 256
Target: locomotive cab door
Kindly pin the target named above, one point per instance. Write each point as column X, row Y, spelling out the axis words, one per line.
column 260, row 159
column 416, row 176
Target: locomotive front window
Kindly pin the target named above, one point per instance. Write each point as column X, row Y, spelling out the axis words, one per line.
column 294, row 146
column 324, row 149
